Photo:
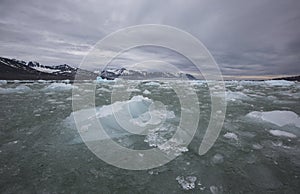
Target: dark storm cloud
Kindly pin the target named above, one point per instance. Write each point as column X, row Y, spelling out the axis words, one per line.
column 258, row 37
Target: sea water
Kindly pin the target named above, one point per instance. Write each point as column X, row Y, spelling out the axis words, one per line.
column 41, row 150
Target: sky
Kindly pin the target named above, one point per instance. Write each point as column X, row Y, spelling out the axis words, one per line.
column 246, row 38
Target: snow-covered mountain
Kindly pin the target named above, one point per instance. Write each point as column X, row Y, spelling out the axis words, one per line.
column 12, row 69
column 51, row 69
column 136, row 74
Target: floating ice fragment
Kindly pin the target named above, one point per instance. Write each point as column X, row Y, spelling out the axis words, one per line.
column 232, row 96
column 3, row 82
column 217, row 159
column 239, row 87
column 13, row 142
column 18, row 89
column 100, row 80
column 187, row 183
column 59, row 87
column 229, row 135
column 134, row 116
column 141, row 155
column 152, row 84
column 213, row 189
column 280, row 133
column 279, row 118
column 103, row 89
column 279, row 83
column 133, row 90
column 277, row 143
column 173, row 146
column 146, row 92
column 257, row 146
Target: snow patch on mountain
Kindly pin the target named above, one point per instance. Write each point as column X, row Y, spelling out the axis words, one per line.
column 46, row 70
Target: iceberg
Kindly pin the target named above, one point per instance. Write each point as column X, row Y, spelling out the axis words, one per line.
column 138, row 115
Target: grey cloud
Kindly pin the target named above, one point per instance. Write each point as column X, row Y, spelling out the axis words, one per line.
column 258, row 37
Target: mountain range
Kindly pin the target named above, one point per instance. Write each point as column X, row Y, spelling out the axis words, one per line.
column 13, row 69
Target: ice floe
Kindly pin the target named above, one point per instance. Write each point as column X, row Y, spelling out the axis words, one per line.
column 229, row 135
column 277, row 117
column 281, row 133
column 232, row 96
column 59, row 87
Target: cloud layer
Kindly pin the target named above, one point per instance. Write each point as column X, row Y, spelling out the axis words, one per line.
column 258, row 37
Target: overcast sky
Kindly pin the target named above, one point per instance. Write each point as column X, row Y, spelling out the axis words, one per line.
column 257, row 37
